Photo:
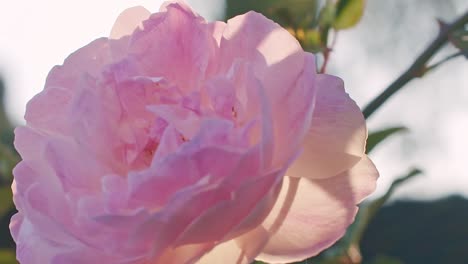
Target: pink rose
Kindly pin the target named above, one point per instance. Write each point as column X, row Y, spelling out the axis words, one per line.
column 185, row 141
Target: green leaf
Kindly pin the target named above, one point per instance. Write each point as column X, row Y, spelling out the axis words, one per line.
column 348, row 13
column 376, row 138
column 6, row 201
column 7, row 257
column 327, row 14
column 459, row 38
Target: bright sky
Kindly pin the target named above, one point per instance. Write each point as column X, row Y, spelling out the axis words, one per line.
column 36, row 35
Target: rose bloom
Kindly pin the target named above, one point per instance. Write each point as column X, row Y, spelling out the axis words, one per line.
column 182, row 141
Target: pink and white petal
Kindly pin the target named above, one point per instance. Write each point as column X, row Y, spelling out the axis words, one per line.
column 52, row 161
column 276, row 59
column 170, row 141
column 222, row 96
column 289, row 73
column 25, row 177
column 94, row 116
column 29, row 143
column 16, row 223
column 83, row 255
column 256, row 196
column 187, row 43
column 216, row 30
column 47, row 110
column 88, row 60
column 179, row 4
column 168, row 176
column 241, row 250
column 184, row 207
column 31, row 247
column 276, row 56
column 184, row 254
column 213, row 132
column 32, row 146
column 292, row 116
column 190, row 209
column 48, row 216
column 228, row 252
column 311, row 215
column 128, row 21
column 337, row 137
column 184, row 120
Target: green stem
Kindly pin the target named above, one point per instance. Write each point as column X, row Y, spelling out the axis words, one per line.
column 327, row 52
column 418, row 68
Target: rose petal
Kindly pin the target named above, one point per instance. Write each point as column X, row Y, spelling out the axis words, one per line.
column 281, row 66
column 227, row 253
column 88, row 60
column 168, row 176
column 128, row 21
column 277, row 57
column 208, row 227
column 47, row 110
column 310, row 215
column 31, row 247
column 184, row 254
column 83, row 255
column 94, row 116
column 241, row 250
column 336, row 139
column 185, row 206
column 292, row 125
column 187, row 44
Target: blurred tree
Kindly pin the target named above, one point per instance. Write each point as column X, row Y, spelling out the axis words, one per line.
column 6, row 127
column 8, row 156
column 432, row 232
column 8, row 159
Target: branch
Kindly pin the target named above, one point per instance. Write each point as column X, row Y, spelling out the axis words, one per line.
column 437, row 64
column 418, row 68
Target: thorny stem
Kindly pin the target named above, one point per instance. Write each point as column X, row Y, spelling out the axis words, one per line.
column 418, row 68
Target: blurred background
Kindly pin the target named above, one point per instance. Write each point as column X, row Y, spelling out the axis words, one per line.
column 425, row 220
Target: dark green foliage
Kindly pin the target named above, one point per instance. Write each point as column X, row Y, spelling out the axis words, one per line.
column 8, row 159
column 420, row 232
column 289, row 13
